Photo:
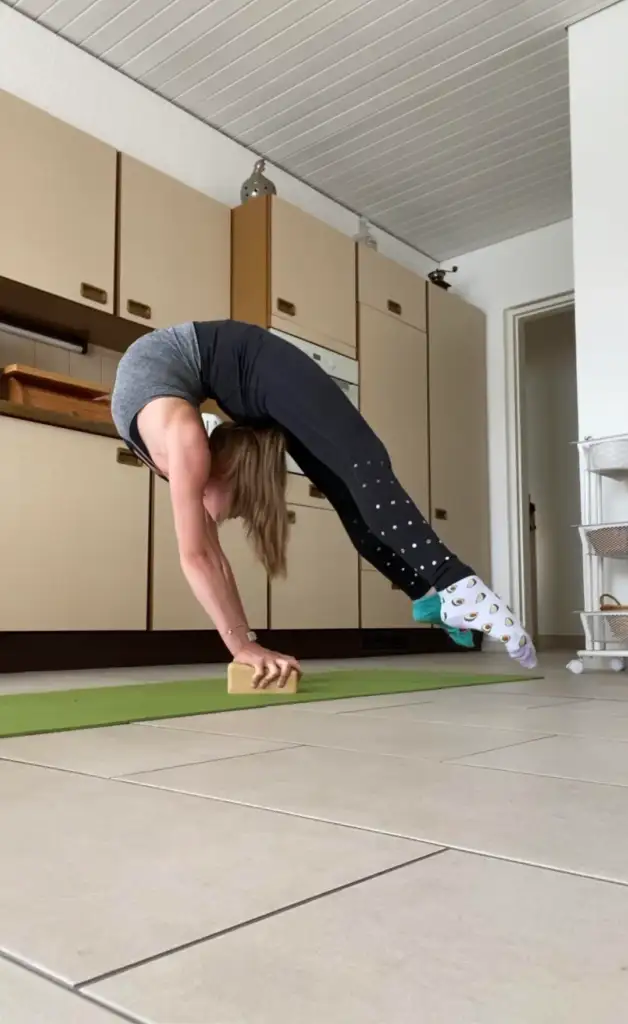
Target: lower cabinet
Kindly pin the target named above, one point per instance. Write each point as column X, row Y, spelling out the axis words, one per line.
column 321, row 588
column 382, row 606
column 173, row 605
column 73, row 531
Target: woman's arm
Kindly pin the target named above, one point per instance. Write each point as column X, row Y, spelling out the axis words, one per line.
column 203, row 562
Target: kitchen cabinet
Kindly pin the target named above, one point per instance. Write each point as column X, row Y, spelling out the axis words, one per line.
column 175, row 244
column 390, row 288
column 382, row 605
column 321, row 587
column 57, row 206
column 393, row 396
column 293, row 272
column 173, row 605
column 458, row 427
column 73, row 531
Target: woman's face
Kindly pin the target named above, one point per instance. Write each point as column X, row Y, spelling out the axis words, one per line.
column 217, row 499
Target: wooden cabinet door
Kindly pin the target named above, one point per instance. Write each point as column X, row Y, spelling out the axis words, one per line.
column 173, row 603
column 57, row 206
column 458, row 427
column 393, row 396
column 312, row 279
column 391, row 288
column 383, row 607
column 321, row 588
column 175, row 250
column 73, row 531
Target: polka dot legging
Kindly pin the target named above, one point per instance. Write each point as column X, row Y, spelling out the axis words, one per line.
column 385, row 526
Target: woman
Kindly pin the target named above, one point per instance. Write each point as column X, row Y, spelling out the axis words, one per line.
column 280, row 399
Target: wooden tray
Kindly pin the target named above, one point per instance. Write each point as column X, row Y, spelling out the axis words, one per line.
column 25, row 385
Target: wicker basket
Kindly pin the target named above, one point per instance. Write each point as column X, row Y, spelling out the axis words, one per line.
column 608, row 541
column 618, row 624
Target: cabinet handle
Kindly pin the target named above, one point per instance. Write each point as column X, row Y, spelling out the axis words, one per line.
column 127, row 458
column 440, row 513
column 292, row 516
column 315, row 493
column 139, row 309
column 286, row 307
column 94, row 294
column 394, row 307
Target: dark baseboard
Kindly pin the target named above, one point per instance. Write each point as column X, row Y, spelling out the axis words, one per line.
column 560, row 642
column 49, row 652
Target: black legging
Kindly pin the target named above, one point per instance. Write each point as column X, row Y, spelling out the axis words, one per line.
column 335, row 447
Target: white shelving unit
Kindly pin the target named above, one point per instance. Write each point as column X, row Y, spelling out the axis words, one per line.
column 606, row 632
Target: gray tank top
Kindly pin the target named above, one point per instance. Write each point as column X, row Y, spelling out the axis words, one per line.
column 163, row 364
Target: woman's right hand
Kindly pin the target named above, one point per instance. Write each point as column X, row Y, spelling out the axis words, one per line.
column 269, row 666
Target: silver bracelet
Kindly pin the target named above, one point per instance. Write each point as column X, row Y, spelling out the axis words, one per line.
column 251, row 636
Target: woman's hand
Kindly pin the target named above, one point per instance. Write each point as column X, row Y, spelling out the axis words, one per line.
column 269, row 666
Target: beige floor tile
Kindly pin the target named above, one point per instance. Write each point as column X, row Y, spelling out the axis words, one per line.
column 564, row 757
column 27, row 998
column 456, row 939
column 571, row 717
column 366, row 732
column 123, row 749
column 98, row 874
column 574, row 826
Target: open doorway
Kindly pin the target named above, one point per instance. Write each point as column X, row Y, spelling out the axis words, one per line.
column 549, row 486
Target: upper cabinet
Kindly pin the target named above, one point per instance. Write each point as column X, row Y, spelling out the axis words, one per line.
column 458, row 427
column 390, row 288
column 293, row 272
column 57, row 206
column 174, row 262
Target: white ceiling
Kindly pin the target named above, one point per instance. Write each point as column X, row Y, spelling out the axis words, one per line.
column 444, row 121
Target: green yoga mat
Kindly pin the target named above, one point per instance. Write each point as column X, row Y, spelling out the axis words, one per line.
column 22, row 714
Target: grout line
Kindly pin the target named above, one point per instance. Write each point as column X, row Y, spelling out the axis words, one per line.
column 296, row 905
column 491, row 750
column 66, row 986
column 213, row 760
column 380, row 707
column 543, row 775
column 404, row 835
column 150, row 771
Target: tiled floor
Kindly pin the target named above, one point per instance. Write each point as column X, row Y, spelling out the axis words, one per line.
column 446, row 857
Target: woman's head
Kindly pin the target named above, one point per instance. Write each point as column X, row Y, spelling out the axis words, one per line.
column 249, row 476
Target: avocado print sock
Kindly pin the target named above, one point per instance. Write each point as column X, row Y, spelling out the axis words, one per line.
column 470, row 604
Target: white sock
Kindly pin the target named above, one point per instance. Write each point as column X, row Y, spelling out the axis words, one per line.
column 469, row 604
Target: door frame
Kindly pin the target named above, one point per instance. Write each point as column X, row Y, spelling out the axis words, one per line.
column 516, row 472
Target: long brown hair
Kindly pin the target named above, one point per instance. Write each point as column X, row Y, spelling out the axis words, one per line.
column 253, row 462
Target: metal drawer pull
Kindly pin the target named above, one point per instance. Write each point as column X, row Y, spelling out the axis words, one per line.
column 292, row 516
column 127, row 458
column 139, row 309
column 440, row 513
column 94, row 294
column 394, row 307
column 286, row 307
column 316, row 493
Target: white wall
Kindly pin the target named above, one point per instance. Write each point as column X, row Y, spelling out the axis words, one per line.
column 47, row 71
column 598, row 70
column 513, row 273
column 550, row 425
